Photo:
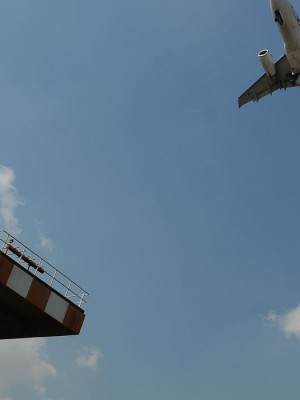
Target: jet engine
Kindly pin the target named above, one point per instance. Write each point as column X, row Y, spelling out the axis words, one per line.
column 267, row 62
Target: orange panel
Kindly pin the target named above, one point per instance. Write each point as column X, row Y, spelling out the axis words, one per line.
column 6, row 267
column 38, row 294
column 74, row 319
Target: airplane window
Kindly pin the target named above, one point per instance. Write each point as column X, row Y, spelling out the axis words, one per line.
column 278, row 17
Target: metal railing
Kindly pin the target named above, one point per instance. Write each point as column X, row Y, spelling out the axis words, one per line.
column 46, row 272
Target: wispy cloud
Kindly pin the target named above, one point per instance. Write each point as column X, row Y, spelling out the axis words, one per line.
column 25, row 362
column 9, row 201
column 45, row 242
column 89, row 357
column 289, row 322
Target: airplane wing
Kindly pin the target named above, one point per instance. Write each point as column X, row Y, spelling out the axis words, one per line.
column 267, row 85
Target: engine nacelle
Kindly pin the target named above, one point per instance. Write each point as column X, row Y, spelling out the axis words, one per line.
column 267, row 62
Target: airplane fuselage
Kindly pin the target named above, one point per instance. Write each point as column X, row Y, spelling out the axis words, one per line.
column 285, row 72
column 288, row 24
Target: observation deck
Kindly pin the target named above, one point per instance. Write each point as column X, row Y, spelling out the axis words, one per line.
column 36, row 299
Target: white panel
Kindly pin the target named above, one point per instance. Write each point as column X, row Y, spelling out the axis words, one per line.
column 19, row 281
column 57, row 307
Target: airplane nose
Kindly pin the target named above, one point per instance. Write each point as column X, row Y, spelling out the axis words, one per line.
column 278, row 4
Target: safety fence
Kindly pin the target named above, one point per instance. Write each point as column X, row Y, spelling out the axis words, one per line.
column 46, row 272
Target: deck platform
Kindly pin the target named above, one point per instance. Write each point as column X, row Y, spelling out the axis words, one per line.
column 31, row 307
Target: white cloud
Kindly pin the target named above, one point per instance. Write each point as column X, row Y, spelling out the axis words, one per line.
column 45, row 242
column 9, row 201
column 41, row 389
column 89, row 357
column 272, row 317
column 289, row 321
column 24, row 362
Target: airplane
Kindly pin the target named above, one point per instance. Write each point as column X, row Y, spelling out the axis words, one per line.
column 285, row 72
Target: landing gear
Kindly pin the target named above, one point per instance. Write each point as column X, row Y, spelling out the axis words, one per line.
column 293, row 78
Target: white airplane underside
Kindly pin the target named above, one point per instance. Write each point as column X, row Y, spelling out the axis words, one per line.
column 285, row 72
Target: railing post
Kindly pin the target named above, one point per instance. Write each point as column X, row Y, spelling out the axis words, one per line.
column 68, row 287
column 53, row 277
column 6, row 242
column 81, row 299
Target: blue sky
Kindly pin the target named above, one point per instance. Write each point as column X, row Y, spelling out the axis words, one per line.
column 128, row 165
